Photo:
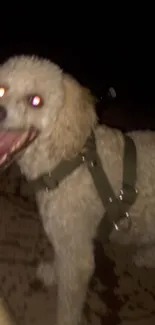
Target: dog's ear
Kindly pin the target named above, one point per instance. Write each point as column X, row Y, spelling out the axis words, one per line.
column 77, row 117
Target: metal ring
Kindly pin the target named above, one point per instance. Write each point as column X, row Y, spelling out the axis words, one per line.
column 120, row 227
column 116, row 226
column 129, row 222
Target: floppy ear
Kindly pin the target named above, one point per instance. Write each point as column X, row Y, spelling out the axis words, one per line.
column 77, row 117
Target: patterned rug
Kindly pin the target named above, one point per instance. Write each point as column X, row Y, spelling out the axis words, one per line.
column 119, row 292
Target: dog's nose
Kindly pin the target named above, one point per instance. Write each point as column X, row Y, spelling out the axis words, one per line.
column 3, row 113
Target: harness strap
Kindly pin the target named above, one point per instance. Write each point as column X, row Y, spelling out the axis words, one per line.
column 51, row 180
column 119, row 207
column 129, row 192
column 116, row 208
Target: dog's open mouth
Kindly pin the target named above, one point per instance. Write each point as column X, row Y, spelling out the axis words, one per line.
column 13, row 141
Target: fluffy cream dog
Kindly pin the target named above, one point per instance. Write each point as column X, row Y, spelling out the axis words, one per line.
column 36, row 94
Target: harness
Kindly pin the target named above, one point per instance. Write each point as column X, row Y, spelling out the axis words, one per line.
column 116, row 208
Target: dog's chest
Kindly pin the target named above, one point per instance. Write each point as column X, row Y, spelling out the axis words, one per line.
column 75, row 201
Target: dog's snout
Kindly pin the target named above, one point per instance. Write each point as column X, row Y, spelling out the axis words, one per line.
column 3, row 113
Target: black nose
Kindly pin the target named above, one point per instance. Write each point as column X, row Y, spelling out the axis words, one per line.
column 3, row 113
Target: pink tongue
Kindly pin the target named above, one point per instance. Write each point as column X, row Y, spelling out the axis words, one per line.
column 8, row 139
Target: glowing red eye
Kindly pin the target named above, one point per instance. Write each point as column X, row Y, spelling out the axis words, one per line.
column 2, row 91
column 35, row 101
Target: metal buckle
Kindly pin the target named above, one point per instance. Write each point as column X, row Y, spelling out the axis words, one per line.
column 128, row 225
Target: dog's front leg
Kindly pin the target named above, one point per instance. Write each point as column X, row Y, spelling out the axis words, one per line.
column 75, row 266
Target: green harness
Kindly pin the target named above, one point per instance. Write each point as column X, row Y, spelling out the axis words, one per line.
column 116, row 208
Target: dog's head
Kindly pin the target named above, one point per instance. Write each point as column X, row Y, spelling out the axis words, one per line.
column 38, row 99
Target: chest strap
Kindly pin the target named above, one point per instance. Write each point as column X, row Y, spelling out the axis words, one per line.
column 116, row 208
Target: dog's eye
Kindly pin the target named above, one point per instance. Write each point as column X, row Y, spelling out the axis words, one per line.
column 35, row 101
column 2, row 91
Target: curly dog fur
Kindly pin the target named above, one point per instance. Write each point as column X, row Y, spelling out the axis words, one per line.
column 72, row 212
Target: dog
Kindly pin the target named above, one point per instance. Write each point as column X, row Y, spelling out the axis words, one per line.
column 55, row 115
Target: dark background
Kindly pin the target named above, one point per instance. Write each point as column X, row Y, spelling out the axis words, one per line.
column 99, row 58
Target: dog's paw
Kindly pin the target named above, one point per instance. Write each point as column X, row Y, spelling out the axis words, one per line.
column 46, row 272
